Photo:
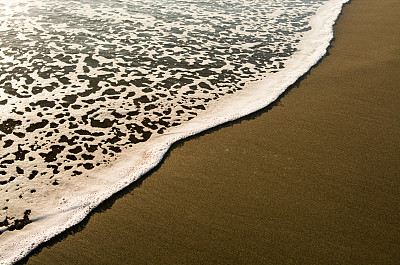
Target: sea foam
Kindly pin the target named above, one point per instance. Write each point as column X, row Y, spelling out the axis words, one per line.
column 91, row 153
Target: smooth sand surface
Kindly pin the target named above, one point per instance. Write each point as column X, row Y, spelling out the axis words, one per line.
column 313, row 180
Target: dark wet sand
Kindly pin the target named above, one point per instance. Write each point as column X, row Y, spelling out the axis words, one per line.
column 314, row 179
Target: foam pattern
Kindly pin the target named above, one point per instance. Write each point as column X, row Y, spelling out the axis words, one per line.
column 86, row 86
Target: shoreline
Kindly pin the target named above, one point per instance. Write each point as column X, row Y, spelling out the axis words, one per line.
column 311, row 49
column 167, row 180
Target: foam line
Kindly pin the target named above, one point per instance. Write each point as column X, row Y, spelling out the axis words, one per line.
column 65, row 210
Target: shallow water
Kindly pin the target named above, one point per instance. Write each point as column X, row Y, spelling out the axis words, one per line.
column 91, row 90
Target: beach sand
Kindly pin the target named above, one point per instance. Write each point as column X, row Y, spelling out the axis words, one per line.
column 312, row 179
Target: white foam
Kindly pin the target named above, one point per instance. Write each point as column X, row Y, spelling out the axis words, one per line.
column 62, row 212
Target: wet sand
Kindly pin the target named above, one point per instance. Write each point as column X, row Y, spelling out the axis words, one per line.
column 313, row 179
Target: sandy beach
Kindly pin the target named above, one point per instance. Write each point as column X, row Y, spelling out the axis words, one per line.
column 312, row 179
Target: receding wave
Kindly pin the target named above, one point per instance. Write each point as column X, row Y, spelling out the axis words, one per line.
column 93, row 93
